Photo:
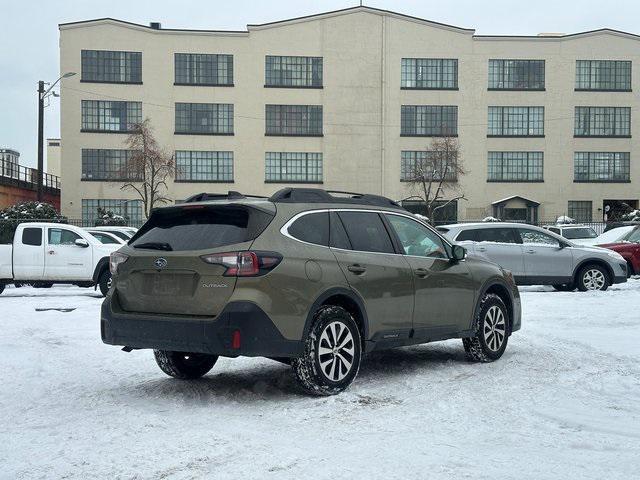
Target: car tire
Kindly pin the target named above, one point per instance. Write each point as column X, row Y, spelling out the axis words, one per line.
column 332, row 353
column 104, row 282
column 564, row 287
column 491, row 330
column 592, row 277
column 185, row 366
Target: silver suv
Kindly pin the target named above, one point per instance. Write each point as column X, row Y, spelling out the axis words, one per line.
column 539, row 257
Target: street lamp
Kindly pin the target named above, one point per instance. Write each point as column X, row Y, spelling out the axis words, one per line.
column 42, row 94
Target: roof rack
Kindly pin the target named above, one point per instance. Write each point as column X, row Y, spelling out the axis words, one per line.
column 317, row 195
column 230, row 195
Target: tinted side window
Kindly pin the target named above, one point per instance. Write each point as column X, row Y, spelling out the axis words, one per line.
column 32, row 236
column 312, row 228
column 555, row 230
column 416, row 239
column 104, row 238
column 338, row 235
column 366, row 232
column 468, row 235
column 498, row 235
column 61, row 236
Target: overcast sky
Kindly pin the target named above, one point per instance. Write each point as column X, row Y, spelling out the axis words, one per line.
column 29, row 35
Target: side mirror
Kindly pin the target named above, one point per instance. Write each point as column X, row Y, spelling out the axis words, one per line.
column 458, row 253
column 81, row 242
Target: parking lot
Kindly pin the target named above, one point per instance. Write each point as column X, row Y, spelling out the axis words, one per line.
column 562, row 402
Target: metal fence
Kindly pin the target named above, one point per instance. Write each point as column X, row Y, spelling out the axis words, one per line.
column 18, row 175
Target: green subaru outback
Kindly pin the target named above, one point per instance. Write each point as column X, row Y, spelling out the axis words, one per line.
column 309, row 277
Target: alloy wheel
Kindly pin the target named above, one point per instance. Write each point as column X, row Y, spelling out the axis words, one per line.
column 336, row 351
column 593, row 279
column 494, row 329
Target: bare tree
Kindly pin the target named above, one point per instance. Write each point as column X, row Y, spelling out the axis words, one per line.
column 434, row 178
column 148, row 168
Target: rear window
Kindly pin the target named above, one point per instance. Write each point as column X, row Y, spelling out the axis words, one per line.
column 366, row 232
column 312, row 228
column 201, row 228
column 32, row 236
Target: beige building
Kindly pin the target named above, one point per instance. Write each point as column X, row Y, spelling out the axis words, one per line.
column 351, row 100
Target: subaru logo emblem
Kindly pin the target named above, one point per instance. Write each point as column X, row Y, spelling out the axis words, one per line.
column 160, row 262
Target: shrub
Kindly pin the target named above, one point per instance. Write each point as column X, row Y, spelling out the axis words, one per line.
column 106, row 218
column 14, row 215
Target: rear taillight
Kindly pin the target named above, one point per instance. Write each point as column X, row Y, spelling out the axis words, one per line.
column 245, row 263
column 116, row 259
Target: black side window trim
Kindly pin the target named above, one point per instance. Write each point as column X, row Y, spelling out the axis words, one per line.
column 334, row 219
column 395, row 240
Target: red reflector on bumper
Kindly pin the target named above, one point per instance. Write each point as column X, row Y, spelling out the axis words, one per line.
column 235, row 340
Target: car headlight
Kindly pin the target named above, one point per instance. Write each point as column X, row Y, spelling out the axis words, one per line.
column 615, row 255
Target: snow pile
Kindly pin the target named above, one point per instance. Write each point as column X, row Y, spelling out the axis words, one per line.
column 422, row 217
column 563, row 219
column 633, row 216
column 490, row 219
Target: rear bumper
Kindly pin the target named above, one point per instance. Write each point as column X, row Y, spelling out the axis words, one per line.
column 258, row 335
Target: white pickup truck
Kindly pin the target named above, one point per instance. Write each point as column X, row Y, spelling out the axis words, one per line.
column 46, row 253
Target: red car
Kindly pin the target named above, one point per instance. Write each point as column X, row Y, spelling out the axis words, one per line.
column 626, row 241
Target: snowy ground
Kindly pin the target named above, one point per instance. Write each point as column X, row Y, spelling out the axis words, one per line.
column 562, row 403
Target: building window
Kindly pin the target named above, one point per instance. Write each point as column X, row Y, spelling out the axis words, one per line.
column 192, row 166
column 516, row 74
column 516, row 122
column 607, row 75
column 580, row 211
column 428, row 121
column 301, row 72
column 429, row 165
column 293, row 167
column 429, row 73
column 515, row 167
column 111, row 67
column 204, row 118
column 107, row 164
column 294, row 120
column 203, row 69
column 130, row 210
column 110, row 116
column 601, row 167
column 602, row 122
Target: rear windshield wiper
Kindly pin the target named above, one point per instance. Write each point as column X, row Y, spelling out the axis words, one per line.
column 154, row 246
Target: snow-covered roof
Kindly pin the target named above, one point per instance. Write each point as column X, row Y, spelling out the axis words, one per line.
column 514, row 197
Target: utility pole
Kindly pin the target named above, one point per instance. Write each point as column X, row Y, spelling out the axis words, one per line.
column 40, row 137
column 42, row 95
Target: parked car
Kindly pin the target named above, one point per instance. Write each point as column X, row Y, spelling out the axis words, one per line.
column 107, row 237
column 125, row 233
column 617, row 224
column 539, row 257
column 580, row 234
column 307, row 277
column 626, row 241
column 46, row 253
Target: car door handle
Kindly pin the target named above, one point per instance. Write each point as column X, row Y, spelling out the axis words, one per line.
column 51, row 252
column 482, row 249
column 530, row 251
column 356, row 269
column 421, row 272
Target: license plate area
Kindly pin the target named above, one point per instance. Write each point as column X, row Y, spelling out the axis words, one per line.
column 180, row 283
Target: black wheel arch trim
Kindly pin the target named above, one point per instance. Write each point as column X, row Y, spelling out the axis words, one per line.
column 491, row 282
column 332, row 292
column 102, row 264
column 598, row 261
